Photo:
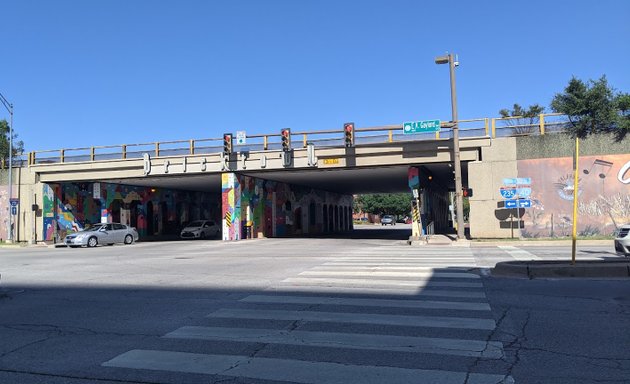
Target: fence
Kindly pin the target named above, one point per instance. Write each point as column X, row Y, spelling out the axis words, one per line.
column 484, row 127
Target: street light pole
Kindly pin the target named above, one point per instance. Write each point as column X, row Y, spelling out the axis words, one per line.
column 9, row 108
column 459, row 201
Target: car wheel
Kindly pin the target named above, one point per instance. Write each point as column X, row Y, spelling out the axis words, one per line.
column 128, row 239
column 92, row 242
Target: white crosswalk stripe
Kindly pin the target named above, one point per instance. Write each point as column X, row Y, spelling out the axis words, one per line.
column 519, row 254
column 423, row 295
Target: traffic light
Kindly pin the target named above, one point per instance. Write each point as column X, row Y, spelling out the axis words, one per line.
column 285, row 136
column 227, row 143
column 467, row 192
column 348, row 132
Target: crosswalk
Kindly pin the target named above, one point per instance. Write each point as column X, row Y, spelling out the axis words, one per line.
column 410, row 316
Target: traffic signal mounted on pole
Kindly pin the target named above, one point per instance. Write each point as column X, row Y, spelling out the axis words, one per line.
column 285, row 136
column 467, row 192
column 348, row 134
column 227, row 143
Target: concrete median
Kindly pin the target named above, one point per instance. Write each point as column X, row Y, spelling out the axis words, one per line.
column 563, row 269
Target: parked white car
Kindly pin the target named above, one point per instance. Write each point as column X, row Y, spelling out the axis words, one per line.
column 104, row 234
column 622, row 240
column 200, row 229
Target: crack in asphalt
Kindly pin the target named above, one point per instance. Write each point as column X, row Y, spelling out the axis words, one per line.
column 67, row 330
column 473, row 365
column 77, row 377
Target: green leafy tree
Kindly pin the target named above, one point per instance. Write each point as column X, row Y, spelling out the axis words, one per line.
column 527, row 120
column 18, row 146
column 594, row 107
column 398, row 204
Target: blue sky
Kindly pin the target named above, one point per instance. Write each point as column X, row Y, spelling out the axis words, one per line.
column 83, row 73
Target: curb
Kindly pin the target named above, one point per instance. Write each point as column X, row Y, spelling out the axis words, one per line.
column 562, row 269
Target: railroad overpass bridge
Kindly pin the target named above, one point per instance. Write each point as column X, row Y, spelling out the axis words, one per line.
column 308, row 190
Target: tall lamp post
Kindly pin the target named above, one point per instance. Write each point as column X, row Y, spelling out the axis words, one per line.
column 9, row 108
column 459, row 201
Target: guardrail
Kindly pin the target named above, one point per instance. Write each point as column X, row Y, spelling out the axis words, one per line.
column 484, row 127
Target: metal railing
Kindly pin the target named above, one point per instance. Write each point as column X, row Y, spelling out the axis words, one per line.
column 484, row 127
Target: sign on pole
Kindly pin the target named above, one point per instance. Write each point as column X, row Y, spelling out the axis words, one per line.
column 241, row 137
column 14, row 202
column 411, row 127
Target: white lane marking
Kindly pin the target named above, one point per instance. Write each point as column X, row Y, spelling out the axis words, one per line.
column 357, row 318
column 518, row 254
column 381, row 282
column 385, row 267
column 427, row 274
column 310, row 300
column 304, row 372
column 413, row 344
column 403, row 291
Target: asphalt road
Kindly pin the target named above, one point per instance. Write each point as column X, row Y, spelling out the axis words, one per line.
column 362, row 309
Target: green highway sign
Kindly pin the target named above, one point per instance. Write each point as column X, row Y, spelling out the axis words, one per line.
column 411, row 127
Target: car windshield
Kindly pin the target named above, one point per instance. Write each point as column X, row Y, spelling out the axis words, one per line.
column 93, row 229
column 197, row 223
column 388, row 217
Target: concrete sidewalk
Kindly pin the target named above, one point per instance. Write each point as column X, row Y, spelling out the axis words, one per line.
column 562, row 269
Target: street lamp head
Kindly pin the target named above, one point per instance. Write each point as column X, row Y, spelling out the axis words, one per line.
column 442, row 59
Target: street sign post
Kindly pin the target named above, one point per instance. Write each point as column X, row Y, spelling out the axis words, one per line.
column 411, row 127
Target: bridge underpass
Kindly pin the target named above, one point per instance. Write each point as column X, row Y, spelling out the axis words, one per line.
column 308, row 195
column 344, row 181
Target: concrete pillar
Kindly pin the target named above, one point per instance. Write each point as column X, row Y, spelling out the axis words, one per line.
column 231, row 206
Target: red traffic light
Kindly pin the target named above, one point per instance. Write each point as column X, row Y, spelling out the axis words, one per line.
column 227, row 143
column 467, row 192
column 285, row 135
column 348, row 129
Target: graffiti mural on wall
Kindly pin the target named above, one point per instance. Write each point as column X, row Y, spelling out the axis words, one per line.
column 273, row 209
column 603, row 195
column 69, row 207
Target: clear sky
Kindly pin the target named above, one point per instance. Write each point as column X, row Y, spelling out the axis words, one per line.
column 83, row 73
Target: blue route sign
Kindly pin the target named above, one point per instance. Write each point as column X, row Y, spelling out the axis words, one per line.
column 511, row 204
column 13, row 210
column 507, row 193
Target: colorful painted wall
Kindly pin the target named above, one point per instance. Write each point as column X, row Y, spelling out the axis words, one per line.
column 266, row 208
column 603, row 195
column 69, row 207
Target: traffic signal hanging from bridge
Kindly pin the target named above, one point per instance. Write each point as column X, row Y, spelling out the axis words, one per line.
column 285, row 136
column 227, row 143
column 348, row 134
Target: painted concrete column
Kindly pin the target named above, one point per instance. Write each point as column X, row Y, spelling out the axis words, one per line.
column 231, row 206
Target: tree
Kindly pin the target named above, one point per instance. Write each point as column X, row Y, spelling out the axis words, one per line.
column 18, row 146
column 385, row 203
column 528, row 118
column 594, row 107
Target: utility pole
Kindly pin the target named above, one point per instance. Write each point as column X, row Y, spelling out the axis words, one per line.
column 459, row 199
column 9, row 108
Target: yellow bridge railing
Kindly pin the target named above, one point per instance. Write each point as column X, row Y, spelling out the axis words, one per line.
column 484, row 127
